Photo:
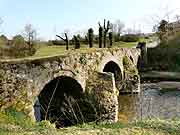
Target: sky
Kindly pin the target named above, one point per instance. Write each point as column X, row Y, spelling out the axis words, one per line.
column 51, row 17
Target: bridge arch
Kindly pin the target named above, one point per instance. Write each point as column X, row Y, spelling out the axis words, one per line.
column 116, row 59
column 114, row 68
column 57, row 102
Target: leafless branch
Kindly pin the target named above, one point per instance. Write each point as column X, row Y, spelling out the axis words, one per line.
column 49, row 104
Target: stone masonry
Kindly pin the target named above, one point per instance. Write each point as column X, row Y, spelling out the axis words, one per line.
column 21, row 81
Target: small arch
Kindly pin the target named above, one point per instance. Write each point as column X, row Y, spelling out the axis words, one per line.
column 58, row 102
column 113, row 67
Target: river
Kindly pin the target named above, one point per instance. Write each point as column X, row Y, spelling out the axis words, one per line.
column 152, row 102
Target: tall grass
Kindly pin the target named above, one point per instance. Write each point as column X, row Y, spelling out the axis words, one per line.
column 16, row 123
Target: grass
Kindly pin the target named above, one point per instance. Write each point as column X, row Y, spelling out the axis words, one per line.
column 125, row 44
column 16, row 123
column 56, row 50
column 44, row 51
column 169, row 126
column 50, row 50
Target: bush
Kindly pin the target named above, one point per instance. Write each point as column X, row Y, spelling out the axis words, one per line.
column 166, row 56
column 12, row 52
column 12, row 116
column 18, row 48
column 3, row 40
column 19, row 42
column 130, row 38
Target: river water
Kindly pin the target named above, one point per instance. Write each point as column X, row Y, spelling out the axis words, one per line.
column 152, row 102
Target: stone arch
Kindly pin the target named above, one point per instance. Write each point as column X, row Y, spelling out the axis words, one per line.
column 115, row 59
column 114, row 68
column 58, row 102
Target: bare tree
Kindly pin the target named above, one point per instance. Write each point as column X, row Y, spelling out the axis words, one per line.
column 120, row 27
column 84, row 33
column 65, row 39
column 177, row 17
column 163, row 30
column 113, row 28
column 129, row 31
column 30, row 34
column 105, row 30
column 163, row 25
column 117, row 27
column 101, row 32
column 67, row 31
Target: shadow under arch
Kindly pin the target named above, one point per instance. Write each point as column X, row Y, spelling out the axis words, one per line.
column 139, row 63
column 60, row 101
column 114, row 68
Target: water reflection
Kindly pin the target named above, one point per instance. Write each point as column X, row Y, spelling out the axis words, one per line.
column 150, row 103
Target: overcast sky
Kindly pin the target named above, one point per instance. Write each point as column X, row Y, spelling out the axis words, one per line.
column 50, row 17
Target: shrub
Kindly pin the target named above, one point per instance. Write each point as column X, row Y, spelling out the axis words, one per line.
column 18, row 42
column 130, row 38
column 12, row 116
column 3, row 40
column 16, row 49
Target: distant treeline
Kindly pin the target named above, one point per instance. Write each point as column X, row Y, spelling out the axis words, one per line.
column 124, row 38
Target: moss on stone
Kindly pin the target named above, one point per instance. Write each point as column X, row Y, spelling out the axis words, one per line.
column 131, row 77
column 83, row 60
column 19, row 77
column 129, row 66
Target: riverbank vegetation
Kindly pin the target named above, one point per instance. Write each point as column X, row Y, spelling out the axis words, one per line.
column 16, row 123
column 166, row 56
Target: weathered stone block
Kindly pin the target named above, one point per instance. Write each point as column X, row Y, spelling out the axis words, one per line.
column 101, row 86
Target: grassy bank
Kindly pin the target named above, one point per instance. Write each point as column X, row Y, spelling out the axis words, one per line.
column 15, row 123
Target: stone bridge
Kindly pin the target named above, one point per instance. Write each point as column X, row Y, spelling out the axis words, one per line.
column 74, row 87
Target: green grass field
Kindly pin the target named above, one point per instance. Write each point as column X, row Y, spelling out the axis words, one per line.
column 44, row 51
